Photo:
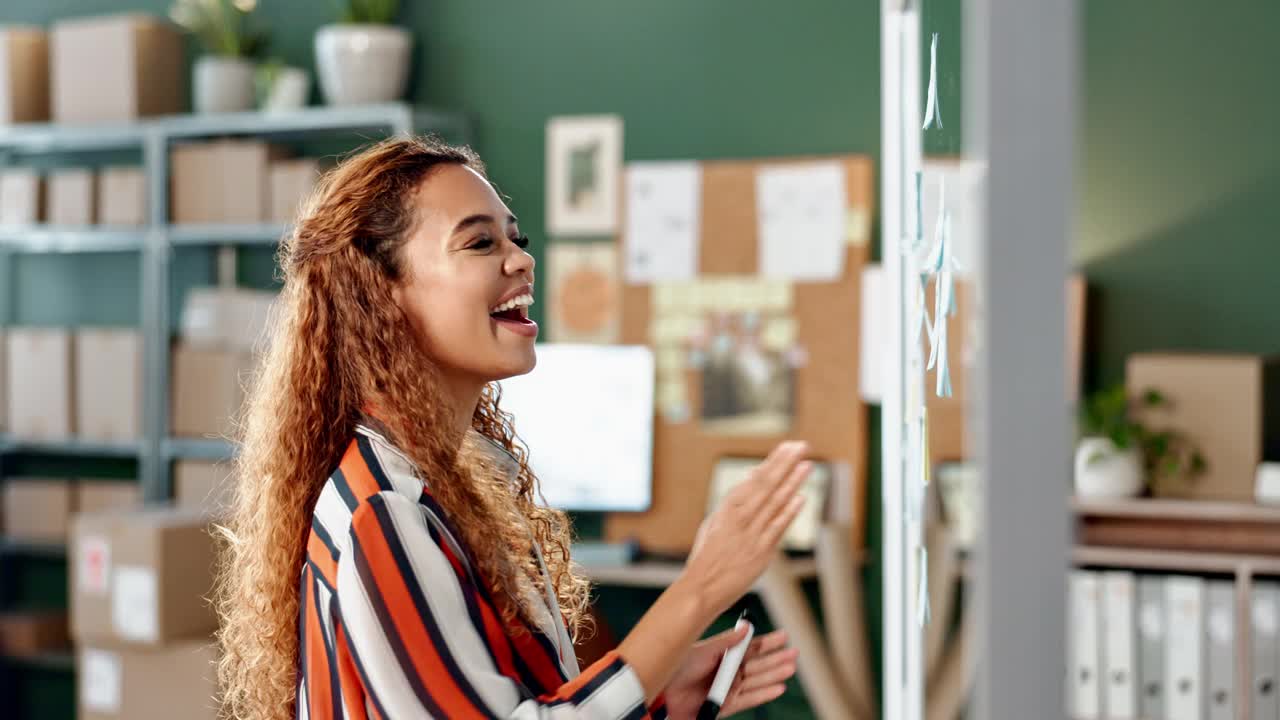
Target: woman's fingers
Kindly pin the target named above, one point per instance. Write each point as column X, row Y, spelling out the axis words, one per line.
column 745, row 700
column 766, row 678
column 764, row 663
column 767, row 643
column 779, row 523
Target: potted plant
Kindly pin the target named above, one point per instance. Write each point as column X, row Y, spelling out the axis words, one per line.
column 1118, row 456
column 222, row 79
column 363, row 58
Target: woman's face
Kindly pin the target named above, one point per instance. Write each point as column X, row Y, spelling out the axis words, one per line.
column 469, row 281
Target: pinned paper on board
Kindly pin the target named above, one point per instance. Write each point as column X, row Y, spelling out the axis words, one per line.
column 583, row 291
column 803, row 222
column 747, row 387
column 932, row 111
column 663, row 221
column 583, row 156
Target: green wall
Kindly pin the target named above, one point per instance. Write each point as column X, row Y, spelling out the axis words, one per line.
column 1178, row 178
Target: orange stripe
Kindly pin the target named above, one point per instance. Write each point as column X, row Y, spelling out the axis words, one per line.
column 356, row 471
column 353, row 694
column 318, row 553
column 431, row 669
column 319, row 691
column 568, row 689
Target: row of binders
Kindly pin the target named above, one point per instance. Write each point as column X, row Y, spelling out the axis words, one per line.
column 1169, row 647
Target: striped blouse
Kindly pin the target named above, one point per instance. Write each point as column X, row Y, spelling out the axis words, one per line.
column 392, row 623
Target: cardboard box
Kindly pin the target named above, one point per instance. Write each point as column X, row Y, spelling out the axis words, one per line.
column 1228, row 406
column 202, row 486
column 38, row 509
column 207, row 390
column 99, row 496
column 291, row 182
column 179, row 681
column 33, row 632
column 39, row 383
column 21, row 196
column 116, row 68
column 108, row 382
column 224, row 181
column 24, row 75
column 71, row 197
column 122, row 196
column 234, row 318
column 141, row 578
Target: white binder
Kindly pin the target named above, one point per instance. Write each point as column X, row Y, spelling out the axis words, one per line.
column 1220, row 632
column 1086, row 630
column 1119, row 661
column 1184, row 648
column 1264, row 611
column 1151, row 632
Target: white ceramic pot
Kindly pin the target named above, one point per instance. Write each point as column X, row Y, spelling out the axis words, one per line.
column 288, row 91
column 1103, row 471
column 222, row 84
column 362, row 64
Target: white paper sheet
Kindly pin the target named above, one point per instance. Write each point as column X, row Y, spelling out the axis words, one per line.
column 100, row 680
column 135, row 603
column 801, row 215
column 664, row 217
column 874, row 333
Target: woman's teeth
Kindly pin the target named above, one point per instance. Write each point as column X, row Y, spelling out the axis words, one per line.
column 520, row 301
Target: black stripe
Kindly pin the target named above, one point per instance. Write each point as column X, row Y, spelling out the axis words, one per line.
column 597, row 682
column 317, row 527
column 336, row 610
column 335, row 684
column 302, row 637
column 378, row 505
column 339, row 481
column 659, row 713
column 390, row 633
column 371, row 459
column 319, row 577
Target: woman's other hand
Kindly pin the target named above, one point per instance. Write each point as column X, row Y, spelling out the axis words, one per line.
column 766, row 667
column 738, row 540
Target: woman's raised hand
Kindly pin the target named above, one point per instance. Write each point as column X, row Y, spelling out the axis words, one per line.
column 738, row 540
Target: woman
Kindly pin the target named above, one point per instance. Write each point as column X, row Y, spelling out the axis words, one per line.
column 386, row 556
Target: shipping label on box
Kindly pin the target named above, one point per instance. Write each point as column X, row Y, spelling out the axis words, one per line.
column 93, row 564
column 134, row 612
column 100, row 681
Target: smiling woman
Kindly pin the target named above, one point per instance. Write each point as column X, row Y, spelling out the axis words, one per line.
column 385, row 556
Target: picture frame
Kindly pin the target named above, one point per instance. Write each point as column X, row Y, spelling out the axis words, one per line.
column 583, row 165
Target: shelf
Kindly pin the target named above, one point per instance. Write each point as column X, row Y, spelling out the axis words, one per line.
column 59, row 661
column 175, row 448
column 204, row 235
column 32, row 548
column 1144, row 559
column 662, row 574
column 1163, row 509
column 53, row 239
column 73, row 447
column 311, row 120
column 51, row 137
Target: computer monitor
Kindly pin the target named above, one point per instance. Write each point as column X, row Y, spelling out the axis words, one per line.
column 586, row 415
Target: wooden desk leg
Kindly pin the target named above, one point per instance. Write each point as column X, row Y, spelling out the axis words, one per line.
column 789, row 610
column 842, row 608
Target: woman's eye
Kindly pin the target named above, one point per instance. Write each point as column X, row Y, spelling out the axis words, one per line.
column 483, row 243
column 521, row 242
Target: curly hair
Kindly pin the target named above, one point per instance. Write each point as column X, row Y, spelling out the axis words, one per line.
column 338, row 346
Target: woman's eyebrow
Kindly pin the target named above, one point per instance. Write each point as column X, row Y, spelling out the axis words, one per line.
column 479, row 219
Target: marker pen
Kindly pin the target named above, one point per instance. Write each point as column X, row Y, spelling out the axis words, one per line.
column 728, row 670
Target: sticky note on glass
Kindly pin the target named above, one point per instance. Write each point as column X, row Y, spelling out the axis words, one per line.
column 663, row 220
column 802, row 225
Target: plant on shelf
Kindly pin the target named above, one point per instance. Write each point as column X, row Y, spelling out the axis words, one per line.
column 222, row 78
column 364, row 57
column 1119, row 455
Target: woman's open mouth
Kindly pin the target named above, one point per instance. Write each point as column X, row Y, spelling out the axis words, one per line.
column 514, row 315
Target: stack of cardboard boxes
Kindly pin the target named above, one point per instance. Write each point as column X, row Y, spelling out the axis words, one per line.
column 140, row 615
column 111, row 196
column 240, row 181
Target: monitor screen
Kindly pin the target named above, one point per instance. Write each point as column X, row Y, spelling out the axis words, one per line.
column 586, row 415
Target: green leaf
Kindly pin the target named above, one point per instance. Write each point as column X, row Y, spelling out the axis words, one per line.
column 1198, row 463
column 1153, row 398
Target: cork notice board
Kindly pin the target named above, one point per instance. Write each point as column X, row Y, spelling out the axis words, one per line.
column 828, row 411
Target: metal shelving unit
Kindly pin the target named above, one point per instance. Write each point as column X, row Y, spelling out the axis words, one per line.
column 156, row 242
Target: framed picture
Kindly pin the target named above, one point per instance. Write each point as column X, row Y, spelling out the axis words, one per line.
column 584, row 159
